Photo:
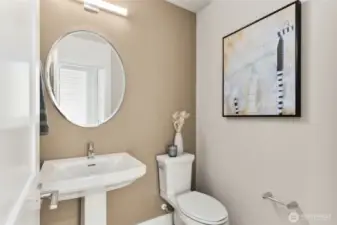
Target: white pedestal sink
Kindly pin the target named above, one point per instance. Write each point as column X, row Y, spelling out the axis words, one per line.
column 90, row 179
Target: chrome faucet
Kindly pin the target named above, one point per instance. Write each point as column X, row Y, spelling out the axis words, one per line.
column 53, row 196
column 91, row 150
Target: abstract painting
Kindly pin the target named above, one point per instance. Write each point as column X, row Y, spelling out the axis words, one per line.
column 262, row 66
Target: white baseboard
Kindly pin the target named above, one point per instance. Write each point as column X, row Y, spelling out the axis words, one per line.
column 161, row 220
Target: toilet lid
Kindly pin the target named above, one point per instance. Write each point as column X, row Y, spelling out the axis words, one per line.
column 202, row 207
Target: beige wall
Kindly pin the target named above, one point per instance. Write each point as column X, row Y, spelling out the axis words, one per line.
column 157, row 46
column 296, row 159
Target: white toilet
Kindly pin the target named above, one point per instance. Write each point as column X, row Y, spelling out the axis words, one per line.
column 190, row 207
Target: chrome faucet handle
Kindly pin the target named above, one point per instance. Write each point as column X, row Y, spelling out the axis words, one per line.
column 91, row 150
column 91, row 146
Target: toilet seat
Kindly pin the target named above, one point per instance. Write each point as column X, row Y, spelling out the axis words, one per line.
column 189, row 221
column 202, row 208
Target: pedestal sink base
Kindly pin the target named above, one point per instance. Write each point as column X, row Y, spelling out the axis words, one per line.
column 94, row 209
column 90, row 179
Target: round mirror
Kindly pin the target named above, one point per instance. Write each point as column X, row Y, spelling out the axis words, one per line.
column 85, row 78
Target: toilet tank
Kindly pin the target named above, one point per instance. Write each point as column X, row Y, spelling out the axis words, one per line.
column 175, row 174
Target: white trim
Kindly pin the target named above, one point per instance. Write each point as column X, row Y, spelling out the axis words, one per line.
column 160, row 220
column 13, row 123
column 17, row 207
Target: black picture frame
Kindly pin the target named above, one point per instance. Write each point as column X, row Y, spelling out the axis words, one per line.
column 298, row 33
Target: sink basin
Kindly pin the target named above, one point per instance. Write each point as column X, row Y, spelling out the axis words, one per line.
column 76, row 177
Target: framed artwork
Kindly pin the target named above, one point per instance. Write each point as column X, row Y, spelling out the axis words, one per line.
column 262, row 67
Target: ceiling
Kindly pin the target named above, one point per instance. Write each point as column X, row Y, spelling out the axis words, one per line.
column 190, row 5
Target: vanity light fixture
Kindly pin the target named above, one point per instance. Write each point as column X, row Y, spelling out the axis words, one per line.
column 97, row 5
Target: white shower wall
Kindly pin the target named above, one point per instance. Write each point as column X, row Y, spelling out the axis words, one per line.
column 240, row 159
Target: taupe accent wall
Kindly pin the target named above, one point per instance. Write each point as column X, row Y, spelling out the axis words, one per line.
column 157, row 44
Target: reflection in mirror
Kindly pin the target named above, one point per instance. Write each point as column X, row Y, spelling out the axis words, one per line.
column 85, row 78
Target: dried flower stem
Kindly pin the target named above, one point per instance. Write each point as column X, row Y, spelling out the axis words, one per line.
column 178, row 119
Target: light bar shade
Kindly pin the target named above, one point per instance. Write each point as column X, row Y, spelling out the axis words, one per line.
column 106, row 6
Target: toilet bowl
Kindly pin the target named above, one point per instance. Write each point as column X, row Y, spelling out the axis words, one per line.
column 195, row 208
column 190, row 207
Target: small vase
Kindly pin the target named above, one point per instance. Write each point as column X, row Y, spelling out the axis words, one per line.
column 178, row 141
